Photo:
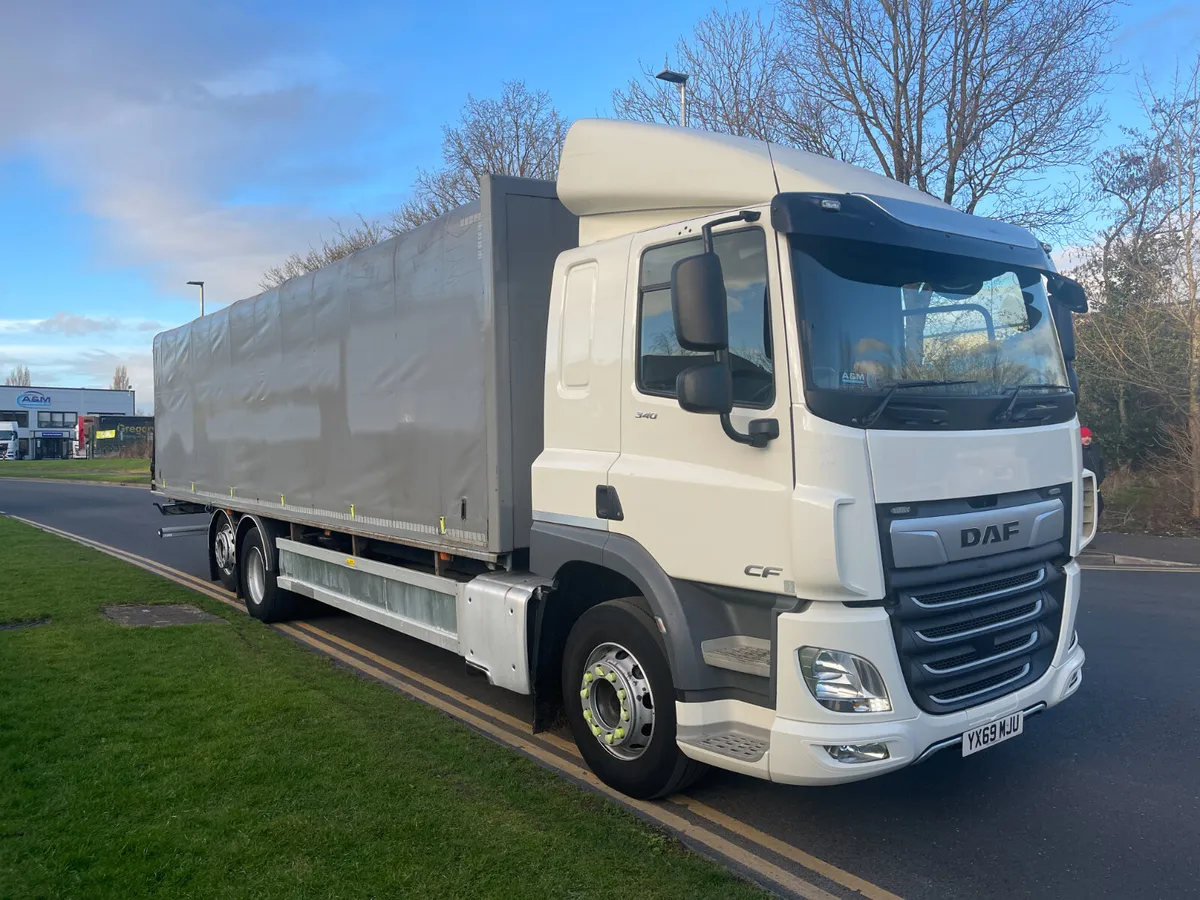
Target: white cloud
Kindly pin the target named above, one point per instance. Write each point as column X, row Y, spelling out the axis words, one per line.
column 73, row 325
column 82, row 367
column 163, row 115
column 18, row 326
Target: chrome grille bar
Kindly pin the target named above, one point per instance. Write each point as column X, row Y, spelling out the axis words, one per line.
column 991, row 626
column 977, row 663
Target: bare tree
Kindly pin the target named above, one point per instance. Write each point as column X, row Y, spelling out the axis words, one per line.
column 973, row 101
column 520, row 133
column 344, row 242
column 19, row 376
column 739, row 83
column 1144, row 338
column 1174, row 118
column 120, row 380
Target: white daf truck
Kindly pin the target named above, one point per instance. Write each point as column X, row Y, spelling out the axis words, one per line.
column 731, row 454
column 9, row 440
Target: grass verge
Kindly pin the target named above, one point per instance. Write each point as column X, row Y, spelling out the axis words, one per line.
column 117, row 471
column 221, row 760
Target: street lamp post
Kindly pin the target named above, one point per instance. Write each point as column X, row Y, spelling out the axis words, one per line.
column 200, row 284
column 680, row 79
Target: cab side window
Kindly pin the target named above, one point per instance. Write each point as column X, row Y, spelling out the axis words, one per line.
column 660, row 358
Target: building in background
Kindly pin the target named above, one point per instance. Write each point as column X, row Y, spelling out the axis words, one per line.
column 48, row 418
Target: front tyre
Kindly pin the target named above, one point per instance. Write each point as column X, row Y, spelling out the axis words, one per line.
column 620, row 702
column 265, row 600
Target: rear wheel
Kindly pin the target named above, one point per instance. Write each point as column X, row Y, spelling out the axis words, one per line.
column 224, row 543
column 265, row 600
column 620, row 702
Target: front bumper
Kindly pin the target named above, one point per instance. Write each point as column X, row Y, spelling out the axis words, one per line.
column 797, row 753
column 798, row 730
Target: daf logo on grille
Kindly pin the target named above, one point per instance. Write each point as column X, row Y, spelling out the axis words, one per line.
column 993, row 534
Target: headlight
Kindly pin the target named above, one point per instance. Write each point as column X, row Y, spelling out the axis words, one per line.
column 843, row 682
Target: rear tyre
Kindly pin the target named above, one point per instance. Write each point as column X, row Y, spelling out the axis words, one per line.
column 264, row 599
column 620, row 702
column 224, row 543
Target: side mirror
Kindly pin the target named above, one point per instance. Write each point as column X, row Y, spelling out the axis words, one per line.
column 1067, row 293
column 706, row 388
column 699, row 303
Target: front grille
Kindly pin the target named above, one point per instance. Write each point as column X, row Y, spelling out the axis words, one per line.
column 971, row 658
column 978, row 591
column 996, row 636
column 970, row 631
column 983, row 686
column 981, row 623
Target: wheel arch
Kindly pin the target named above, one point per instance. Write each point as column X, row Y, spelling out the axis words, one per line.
column 588, row 567
column 686, row 613
column 269, row 529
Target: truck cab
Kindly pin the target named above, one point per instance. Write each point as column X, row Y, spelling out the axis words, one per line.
column 9, row 441
column 822, row 425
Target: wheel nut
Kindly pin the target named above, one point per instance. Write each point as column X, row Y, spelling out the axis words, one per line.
column 624, row 714
column 611, row 676
column 587, row 715
column 620, row 733
column 621, row 694
column 596, row 730
column 587, row 677
column 608, row 738
column 583, row 693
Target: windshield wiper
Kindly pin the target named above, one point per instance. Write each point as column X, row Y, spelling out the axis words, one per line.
column 1006, row 414
column 874, row 414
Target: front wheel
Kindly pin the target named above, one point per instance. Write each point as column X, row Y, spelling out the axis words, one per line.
column 620, row 702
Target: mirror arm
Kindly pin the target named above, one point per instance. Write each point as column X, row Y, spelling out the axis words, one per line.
column 746, row 215
column 732, row 433
column 762, row 431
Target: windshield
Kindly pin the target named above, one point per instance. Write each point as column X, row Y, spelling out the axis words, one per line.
column 876, row 315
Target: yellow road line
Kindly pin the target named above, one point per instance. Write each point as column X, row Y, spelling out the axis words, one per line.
column 787, row 851
column 741, row 829
column 654, row 812
column 462, row 699
column 454, row 704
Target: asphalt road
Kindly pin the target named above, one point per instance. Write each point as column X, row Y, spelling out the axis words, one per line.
column 1099, row 798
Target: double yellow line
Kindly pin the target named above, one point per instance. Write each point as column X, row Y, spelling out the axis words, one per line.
column 548, row 749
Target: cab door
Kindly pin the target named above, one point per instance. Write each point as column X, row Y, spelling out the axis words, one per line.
column 707, row 508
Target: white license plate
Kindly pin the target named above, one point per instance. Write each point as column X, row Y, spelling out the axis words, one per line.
column 992, row 733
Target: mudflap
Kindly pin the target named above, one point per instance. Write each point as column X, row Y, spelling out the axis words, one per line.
column 546, row 652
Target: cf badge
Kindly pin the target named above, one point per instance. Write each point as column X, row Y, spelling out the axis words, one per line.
column 762, row 571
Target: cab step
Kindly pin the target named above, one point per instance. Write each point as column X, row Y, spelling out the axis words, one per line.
column 739, row 653
column 733, row 744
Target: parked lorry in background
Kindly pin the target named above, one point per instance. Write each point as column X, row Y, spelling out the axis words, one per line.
column 9, row 442
column 733, row 454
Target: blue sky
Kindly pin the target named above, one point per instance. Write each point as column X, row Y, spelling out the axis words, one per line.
column 144, row 143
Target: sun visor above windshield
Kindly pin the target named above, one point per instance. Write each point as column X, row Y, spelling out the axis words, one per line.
column 944, row 218
column 895, row 222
